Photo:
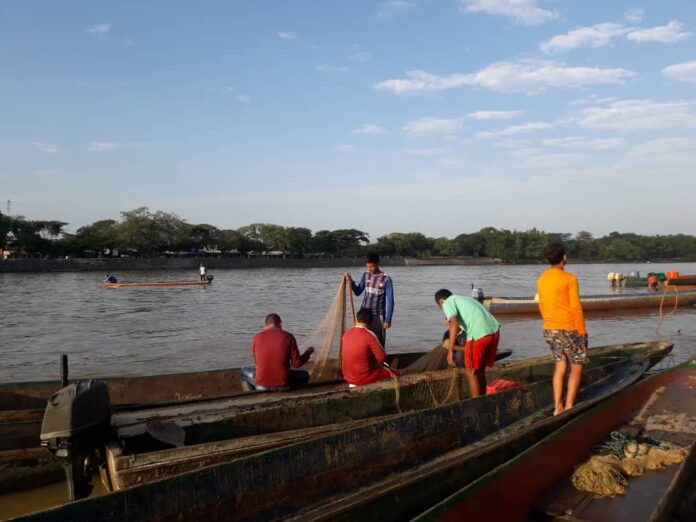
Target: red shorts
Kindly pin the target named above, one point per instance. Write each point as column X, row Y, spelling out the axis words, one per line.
column 481, row 352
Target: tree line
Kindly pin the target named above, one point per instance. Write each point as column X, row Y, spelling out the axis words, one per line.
column 143, row 233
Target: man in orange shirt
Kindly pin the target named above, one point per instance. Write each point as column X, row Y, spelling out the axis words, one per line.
column 564, row 325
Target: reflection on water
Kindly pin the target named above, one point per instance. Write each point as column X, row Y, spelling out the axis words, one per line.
column 135, row 331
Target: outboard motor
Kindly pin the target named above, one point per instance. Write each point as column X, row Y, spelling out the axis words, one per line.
column 209, row 279
column 75, row 428
column 477, row 293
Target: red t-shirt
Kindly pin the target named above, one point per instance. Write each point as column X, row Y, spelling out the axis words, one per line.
column 362, row 354
column 274, row 349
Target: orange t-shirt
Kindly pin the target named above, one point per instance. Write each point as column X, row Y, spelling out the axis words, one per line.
column 559, row 301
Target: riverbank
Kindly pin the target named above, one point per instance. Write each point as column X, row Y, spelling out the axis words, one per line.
column 116, row 264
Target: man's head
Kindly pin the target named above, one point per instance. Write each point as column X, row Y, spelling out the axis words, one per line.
column 441, row 296
column 273, row 321
column 363, row 317
column 555, row 254
column 372, row 263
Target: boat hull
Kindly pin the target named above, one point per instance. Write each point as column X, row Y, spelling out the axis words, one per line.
column 666, row 300
column 509, row 491
column 281, row 482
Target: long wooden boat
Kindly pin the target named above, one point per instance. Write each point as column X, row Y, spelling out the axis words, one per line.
column 220, row 430
column 281, row 482
column 24, row 464
column 536, row 482
column 156, row 284
column 527, row 305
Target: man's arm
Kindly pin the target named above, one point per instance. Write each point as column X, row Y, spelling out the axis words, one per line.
column 253, row 350
column 358, row 287
column 453, row 331
column 576, row 307
column 376, row 348
column 389, row 308
column 296, row 359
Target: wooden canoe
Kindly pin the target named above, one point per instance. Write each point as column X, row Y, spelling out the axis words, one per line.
column 217, row 432
column 24, row 464
column 156, row 284
column 527, row 305
column 281, row 482
column 536, row 482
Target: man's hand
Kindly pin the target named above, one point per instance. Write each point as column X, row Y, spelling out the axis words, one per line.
column 310, row 350
column 387, row 326
column 450, row 358
column 347, row 277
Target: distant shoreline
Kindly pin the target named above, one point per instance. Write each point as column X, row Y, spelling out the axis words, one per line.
column 108, row 265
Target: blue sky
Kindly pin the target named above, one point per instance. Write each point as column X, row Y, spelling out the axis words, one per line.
column 438, row 116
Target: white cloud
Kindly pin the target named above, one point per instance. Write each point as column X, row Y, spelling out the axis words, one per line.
column 48, row 148
column 634, row 15
column 681, row 72
column 387, row 10
column 494, row 115
column 99, row 30
column 579, row 143
column 331, row 68
column 666, row 147
column 555, row 160
column 597, row 35
column 369, row 128
column 362, row 56
column 287, row 35
column 525, row 152
column 670, row 33
column 345, row 148
column 101, row 146
column 523, row 12
column 525, row 128
column 435, row 151
column 433, row 126
column 243, row 98
column 638, row 115
column 530, row 76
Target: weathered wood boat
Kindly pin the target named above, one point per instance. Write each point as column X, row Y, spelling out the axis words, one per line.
column 281, row 482
column 156, row 284
column 24, row 464
column 536, row 482
column 527, row 305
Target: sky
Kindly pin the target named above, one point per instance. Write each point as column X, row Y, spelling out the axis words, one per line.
column 435, row 116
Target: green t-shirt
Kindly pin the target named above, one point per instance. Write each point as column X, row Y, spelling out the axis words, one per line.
column 472, row 316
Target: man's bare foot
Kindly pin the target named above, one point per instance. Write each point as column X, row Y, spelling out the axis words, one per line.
column 558, row 410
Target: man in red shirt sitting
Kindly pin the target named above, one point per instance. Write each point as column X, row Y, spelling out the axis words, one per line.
column 363, row 355
column 274, row 351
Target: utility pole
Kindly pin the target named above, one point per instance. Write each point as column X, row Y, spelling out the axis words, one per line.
column 9, row 206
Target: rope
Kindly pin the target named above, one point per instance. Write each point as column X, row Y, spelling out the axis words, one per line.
column 662, row 301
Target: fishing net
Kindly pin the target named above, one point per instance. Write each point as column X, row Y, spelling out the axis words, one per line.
column 606, row 474
column 426, row 383
column 326, row 339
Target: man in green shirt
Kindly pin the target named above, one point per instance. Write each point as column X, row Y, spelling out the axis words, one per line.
column 482, row 337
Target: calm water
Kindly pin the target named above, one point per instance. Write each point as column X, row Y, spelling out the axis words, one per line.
column 137, row 331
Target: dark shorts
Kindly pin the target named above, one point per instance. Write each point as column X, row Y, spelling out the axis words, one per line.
column 567, row 344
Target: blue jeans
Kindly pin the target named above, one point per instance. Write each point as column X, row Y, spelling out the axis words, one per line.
column 297, row 378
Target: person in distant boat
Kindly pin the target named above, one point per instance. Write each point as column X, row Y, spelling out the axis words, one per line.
column 274, row 351
column 564, row 325
column 379, row 296
column 471, row 323
column 362, row 356
column 110, row 279
column 202, row 271
column 653, row 283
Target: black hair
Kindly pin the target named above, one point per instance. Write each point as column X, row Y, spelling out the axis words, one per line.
column 554, row 252
column 372, row 258
column 363, row 316
column 442, row 294
column 273, row 319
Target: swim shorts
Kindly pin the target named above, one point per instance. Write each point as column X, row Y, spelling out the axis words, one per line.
column 567, row 343
column 480, row 353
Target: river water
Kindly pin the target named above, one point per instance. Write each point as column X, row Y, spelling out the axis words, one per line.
column 139, row 331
